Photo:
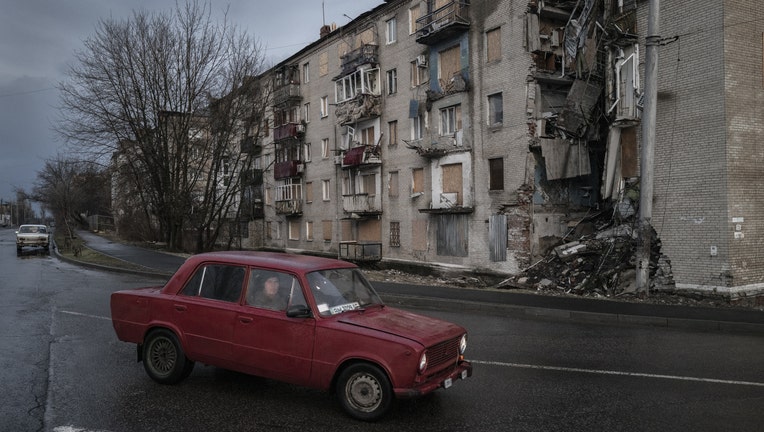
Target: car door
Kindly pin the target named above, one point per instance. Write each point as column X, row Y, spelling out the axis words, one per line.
column 267, row 342
column 205, row 311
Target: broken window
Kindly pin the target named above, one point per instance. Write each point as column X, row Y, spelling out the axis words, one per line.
column 369, row 184
column 495, row 109
column 496, row 174
column 392, row 184
column 392, row 81
column 367, row 135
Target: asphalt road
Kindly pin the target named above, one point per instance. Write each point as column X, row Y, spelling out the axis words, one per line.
column 65, row 371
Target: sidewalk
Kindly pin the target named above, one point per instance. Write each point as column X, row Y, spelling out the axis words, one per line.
column 502, row 302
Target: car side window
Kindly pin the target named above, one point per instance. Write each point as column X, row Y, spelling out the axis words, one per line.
column 274, row 290
column 217, row 282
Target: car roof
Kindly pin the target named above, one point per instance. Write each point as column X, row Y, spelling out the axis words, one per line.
column 274, row 260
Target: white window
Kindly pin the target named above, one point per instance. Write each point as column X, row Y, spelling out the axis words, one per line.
column 419, row 72
column 325, row 148
column 289, row 190
column 324, row 106
column 306, row 112
column 362, row 81
column 392, row 29
column 309, row 231
column 306, row 152
column 450, row 120
column 417, row 127
column 306, row 73
column 392, row 81
column 325, row 190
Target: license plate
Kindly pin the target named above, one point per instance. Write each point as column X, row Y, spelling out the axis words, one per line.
column 464, row 374
column 447, row 383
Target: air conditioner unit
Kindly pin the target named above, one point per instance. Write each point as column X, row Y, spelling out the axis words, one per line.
column 301, row 128
column 300, row 168
column 421, row 60
column 338, row 160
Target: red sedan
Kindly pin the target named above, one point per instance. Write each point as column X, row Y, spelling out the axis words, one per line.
column 311, row 321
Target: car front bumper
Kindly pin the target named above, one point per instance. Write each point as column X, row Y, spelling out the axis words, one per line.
column 444, row 379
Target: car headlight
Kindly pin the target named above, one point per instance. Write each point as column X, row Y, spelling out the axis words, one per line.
column 423, row 362
column 463, row 344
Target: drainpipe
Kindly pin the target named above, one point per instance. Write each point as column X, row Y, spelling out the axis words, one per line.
column 647, row 155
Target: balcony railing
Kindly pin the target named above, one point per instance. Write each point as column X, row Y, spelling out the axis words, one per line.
column 250, row 145
column 362, row 204
column 363, row 106
column 288, row 207
column 292, row 168
column 286, row 93
column 354, row 251
column 444, row 22
column 366, row 54
column 289, row 130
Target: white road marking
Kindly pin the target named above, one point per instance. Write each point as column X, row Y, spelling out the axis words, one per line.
column 608, row 372
column 74, row 429
column 85, row 315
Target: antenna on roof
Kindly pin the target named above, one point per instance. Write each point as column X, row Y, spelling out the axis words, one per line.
column 323, row 14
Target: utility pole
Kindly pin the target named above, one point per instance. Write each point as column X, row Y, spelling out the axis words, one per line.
column 647, row 155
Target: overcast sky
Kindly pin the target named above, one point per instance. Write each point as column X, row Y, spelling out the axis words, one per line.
column 38, row 38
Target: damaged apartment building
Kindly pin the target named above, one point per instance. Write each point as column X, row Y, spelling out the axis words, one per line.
column 471, row 136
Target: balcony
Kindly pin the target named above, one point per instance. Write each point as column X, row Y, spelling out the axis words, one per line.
column 287, row 93
column 362, row 204
column 354, row 251
column 289, row 130
column 250, row 145
column 366, row 54
column 292, row 168
column 363, row 106
column 289, row 207
column 361, row 155
column 442, row 23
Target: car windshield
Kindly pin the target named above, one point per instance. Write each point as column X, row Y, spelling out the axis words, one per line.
column 341, row 290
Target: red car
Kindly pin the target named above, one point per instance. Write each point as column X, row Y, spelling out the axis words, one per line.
column 310, row 321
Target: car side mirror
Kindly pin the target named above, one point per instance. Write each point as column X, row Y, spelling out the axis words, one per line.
column 298, row 311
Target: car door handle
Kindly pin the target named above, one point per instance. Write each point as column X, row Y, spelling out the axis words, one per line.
column 245, row 320
column 181, row 308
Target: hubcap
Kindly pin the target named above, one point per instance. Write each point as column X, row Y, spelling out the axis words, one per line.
column 163, row 356
column 363, row 392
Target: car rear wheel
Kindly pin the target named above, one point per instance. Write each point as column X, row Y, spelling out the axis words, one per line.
column 364, row 391
column 164, row 359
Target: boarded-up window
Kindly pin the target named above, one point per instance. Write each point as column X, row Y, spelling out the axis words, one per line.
column 367, row 136
column 393, row 184
column 327, row 229
column 342, row 49
column 395, row 234
column 452, row 235
column 450, row 64
column 413, row 16
column 294, row 230
column 370, row 230
column 419, row 235
column 417, row 180
column 346, row 230
column 308, row 192
column 493, row 42
column 366, row 38
column 369, row 184
column 497, row 237
column 392, row 132
column 323, row 64
column 496, row 174
column 629, row 152
column 452, row 181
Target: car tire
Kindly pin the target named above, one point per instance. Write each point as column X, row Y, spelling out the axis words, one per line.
column 164, row 359
column 364, row 391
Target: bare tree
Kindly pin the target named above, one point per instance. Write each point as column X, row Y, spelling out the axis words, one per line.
column 165, row 93
column 70, row 188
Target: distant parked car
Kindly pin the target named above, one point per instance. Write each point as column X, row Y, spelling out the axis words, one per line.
column 310, row 321
column 32, row 235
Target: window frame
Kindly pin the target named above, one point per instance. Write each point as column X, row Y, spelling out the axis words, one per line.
column 391, row 31
column 492, row 112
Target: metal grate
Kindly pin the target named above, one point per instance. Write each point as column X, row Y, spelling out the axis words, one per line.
column 443, row 353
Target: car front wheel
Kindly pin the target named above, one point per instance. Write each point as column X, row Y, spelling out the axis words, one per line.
column 364, row 391
column 164, row 359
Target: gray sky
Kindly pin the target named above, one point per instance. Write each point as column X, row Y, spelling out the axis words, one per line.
column 38, row 38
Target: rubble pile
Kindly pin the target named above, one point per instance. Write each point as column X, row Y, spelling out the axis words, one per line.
column 600, row 264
